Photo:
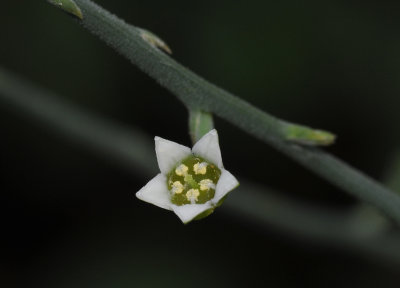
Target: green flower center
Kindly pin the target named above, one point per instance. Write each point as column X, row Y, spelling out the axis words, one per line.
column 193, row 181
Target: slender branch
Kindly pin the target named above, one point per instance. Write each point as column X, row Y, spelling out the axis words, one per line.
column 197, row 93
column 134, row 152
column 123, row 145
column 192, row 90
column 302, row 219
column 352, row 230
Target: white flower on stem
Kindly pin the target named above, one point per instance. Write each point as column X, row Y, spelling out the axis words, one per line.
column 192, row 182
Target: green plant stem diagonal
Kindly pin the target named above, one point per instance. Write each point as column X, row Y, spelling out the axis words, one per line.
column 197, row 93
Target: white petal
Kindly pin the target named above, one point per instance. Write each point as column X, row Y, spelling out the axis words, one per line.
column 189, row 211
column 208, row 148
column 226, row 183
column 156, row 192
column 169, row 154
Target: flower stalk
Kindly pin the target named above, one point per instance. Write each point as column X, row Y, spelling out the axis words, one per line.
column 200, row 123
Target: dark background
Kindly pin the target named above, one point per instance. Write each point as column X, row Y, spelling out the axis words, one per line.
column 69, row 217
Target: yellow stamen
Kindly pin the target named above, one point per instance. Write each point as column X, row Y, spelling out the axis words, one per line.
column 192, row 195
column 206, row 184
column 177, row 187
column 181, row 170
column 200, row 168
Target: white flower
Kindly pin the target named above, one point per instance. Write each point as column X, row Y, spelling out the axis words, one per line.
column 192, row 182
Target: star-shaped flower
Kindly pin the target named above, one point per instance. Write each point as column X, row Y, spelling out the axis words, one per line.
column 192, row 182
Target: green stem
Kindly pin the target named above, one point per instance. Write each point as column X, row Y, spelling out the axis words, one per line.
column 126, row 147
column 192, row 90
column 346, row 229
column 197, row 93
column 134, row 151
column 199, row 124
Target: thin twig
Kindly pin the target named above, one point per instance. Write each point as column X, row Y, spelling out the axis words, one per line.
column 197, row 93
column 134, row 151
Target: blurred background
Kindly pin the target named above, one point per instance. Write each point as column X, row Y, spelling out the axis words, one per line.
column 69, row 217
